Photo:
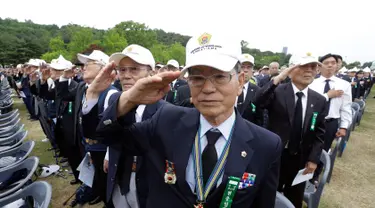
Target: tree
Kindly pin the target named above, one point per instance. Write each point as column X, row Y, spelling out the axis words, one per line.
column 137, row 33
column 354, row 64
column 177, row 51
column 81, row 39
column 57, row 44
column 113, row 42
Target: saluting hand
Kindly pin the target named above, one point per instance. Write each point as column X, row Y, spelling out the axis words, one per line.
column 284, row 74
column 146, row 91
column 103, row 80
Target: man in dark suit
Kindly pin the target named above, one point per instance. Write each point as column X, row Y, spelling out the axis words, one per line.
column 296, row 114
column 273, row 70
column 127, row 185
column 246, row 156
column 183, row 97
column 30, row 67
column 171, row 96
column 245, row 103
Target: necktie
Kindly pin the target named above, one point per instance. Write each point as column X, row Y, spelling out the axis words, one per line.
column 295, row 139
column 240, row 98
column 209, row 155
column 327, row 87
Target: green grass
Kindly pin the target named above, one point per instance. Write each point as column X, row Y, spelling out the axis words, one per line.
column 352, row 183
column 62, row 190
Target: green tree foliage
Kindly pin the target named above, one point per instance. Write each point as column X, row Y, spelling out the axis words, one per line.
column 354, row 64
column 113, row 41
column 20, row 41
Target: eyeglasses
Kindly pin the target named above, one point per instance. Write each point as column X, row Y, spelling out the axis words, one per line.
column 246, row 67
column 216, row 79
column 133, row 70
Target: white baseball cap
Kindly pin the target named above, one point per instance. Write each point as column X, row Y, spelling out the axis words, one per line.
column 247, row 58
column 368, row 70
column 173, row 63
column 303, row 59
column 96, row 55
column 137, row 53
column 61, row 64
column 219, row 52
column 160, row 65
column 33, row 62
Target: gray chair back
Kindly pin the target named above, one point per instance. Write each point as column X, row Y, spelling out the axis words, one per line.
column 13, row 114
column 40, row 191
column 332, row 155
column 10, row 123
column 10, row 131
column 312, row 196
column 20, row 153
column 282, row 202
column 30, row 164
column 12, row 141
column 8, row 114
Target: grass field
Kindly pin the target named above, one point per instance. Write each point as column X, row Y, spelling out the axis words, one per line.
column 352, row 184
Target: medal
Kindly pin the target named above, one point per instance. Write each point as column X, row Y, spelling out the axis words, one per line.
column 253, row 107
column 229, row 192
column 170, row 175
column 203, row 191
column 313, row 121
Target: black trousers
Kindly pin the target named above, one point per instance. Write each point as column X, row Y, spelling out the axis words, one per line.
column 100, row 177
column 290, row 165
column 330, row 134
column 74, row 158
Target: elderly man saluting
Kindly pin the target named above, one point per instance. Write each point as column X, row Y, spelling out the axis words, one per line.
column 198, row 157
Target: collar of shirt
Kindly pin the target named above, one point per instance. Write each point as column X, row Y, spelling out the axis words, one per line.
column 245, row 87
column 332, row 79
column 224, row 127
column 295, row 89
column 139, row 113
column 174, row 82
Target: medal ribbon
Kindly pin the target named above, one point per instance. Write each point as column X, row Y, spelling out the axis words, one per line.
column 217, row 171
column 313, row 121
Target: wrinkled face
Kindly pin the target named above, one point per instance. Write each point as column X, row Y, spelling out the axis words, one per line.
column 304, row 75
column 274, row 68
column 265, row 71
column 90, row 70
column 247, row 69
column 214, row 92
column 129, row 72
column 360, row 75
column 55, row 74
column 366, row 74
column 329, row 67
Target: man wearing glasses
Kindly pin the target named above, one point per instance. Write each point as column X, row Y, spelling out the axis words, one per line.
column 193, row 154
column 172, row 65
column 127, row 185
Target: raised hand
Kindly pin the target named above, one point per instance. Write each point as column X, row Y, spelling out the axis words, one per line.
column 146, row 91
column 103, row 80
column 34, row 76
column 284, row 74
column 68, row 73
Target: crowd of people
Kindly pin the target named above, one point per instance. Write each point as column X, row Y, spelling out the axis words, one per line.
column 213, row 133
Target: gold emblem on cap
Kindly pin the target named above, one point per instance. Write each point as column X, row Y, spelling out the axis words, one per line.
column 308, row 54
column 204, row 39
column 130, row 49
column 243, row 154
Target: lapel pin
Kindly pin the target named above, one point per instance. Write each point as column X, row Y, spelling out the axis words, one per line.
column 107, row 122
column 252, row 90
column 312, row 105
column 243, row 154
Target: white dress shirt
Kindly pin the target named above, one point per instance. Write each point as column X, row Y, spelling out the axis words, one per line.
column 225, row 129
column 303, row 100
column 340, row 107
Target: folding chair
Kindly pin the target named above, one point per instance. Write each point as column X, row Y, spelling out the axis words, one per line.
column 356, row 107
column 14, row 156
column 312, row 196
column 12, row 130
column 282, row 201
column 11, row 122
column 40, row 192
column 332, row 155
column 11, row 115
column 362, row 105
column 4, row 115
column 13, row 141
column 24, row 172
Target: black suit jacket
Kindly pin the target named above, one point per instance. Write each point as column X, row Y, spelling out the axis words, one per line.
column 170, row 97
column 246, row 108
column 280, row 102
column 183, row 97
column 120, row 164
column 169, row 135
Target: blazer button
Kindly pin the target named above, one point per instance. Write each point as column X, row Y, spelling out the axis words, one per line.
column 112, row 179
column 115, row 165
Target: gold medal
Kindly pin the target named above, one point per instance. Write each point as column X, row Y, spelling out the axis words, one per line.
column 170, row 175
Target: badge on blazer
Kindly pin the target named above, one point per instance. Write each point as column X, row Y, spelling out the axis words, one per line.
column 248, row 179
column 170, row 173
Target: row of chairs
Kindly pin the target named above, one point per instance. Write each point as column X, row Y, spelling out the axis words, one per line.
column 17, row 188
column 312, row 195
